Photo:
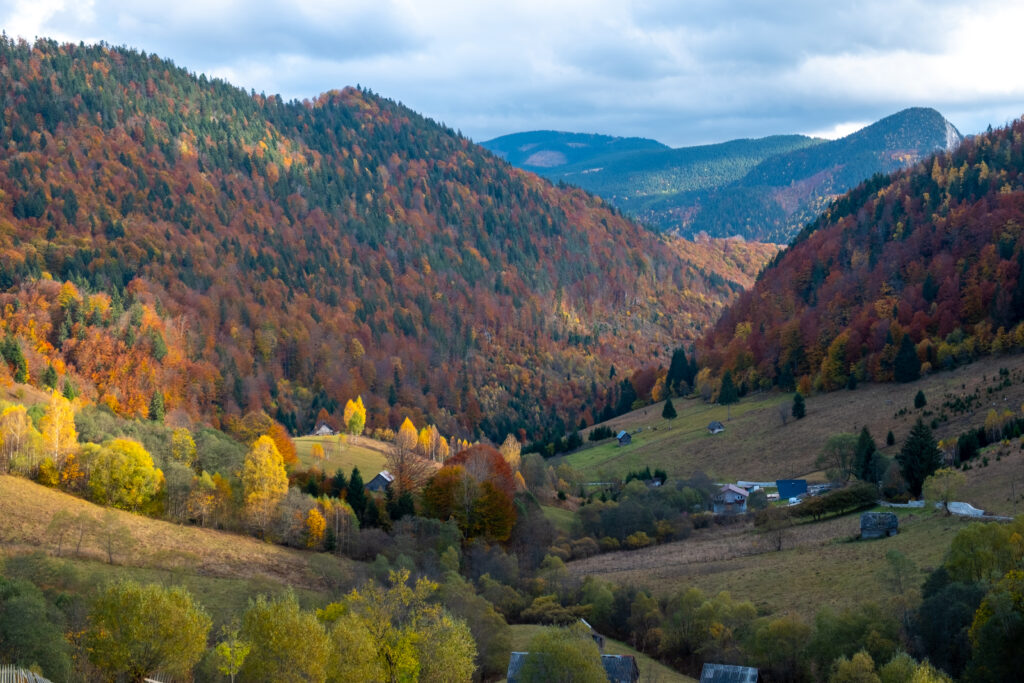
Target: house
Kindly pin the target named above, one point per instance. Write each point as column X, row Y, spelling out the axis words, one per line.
column 727, row 673
column 730, row 500
column 323, row 430
column 716, row 427
column 380, row 482
column 624, row 438
column 791, row 488
column 879, row 525
column 618, row 668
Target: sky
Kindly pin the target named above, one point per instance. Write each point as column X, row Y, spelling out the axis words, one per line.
column 683, row 72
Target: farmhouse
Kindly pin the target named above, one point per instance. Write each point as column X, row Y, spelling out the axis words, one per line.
column 716, row 427
column 624, row 438
column 730, row 500
column 380, row 482
column 323, row 429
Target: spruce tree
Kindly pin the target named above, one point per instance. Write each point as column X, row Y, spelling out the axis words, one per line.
column 799, row 409
column 156, row 406
column 907, row 366
column 864, row 456
column 728, row 394
column 919, row 457
column 677, row 371
column 920, row 401
column 669, row 411
column 357, row 494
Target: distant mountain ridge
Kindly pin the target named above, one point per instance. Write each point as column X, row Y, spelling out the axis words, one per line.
column 763, row 189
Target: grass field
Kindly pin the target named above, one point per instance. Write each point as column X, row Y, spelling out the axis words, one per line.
column 561, row 518
column 651, row 671
column 820, row 564
column 222, row 569
column 756, row 445
column 343, row 452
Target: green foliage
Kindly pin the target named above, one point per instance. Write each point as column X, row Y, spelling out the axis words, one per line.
column 156, row 406
column 919, row 399
column 30, row 632
column 563, row 654
column 138, row 630
column 998, row 631
column 287, row 643
column 907, row 366
column 838, row 457
column 669, row 411
column 843, row 634
column 230, row 652
column 728, row 394
column 864, row 457
column 919, row 457
column 799, row 407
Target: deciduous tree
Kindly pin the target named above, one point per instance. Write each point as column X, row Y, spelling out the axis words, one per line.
column 264, row 482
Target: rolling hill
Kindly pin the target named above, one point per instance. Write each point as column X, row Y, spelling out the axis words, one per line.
column 168, row 236
column 764, row 189
column 909, row 273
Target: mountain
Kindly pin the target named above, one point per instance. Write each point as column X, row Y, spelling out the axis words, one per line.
column 908, row 273
column 170, row 240
column 548, row 149
column 764, row 189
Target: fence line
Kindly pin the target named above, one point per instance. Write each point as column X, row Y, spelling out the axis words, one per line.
column 12, row 674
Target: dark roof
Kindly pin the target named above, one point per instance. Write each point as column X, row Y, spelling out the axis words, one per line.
column 791, row 488
column 515, row 664
column 727, row 673
column 380, row 482
column 620, row 668
column 716, row 426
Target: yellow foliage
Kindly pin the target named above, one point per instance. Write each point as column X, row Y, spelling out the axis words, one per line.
column 316, row 525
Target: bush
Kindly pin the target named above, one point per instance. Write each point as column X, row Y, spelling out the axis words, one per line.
column 609, row 543
column 702, row 520
column 639, row 539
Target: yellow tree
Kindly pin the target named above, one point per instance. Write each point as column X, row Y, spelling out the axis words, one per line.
column 58, row 428
column 510, row 450
column 409, row 469
column 183, row 447
column 355, row 416
column 316, row 525
column 19, row 440
column 318, row 452
column 264, row 482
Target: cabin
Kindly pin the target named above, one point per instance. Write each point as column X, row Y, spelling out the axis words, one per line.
column 716, row 427
column 730, row 500
column 380, row 482
column 879, row 525
column 728, row 673
column 617, row 668
column 323, row 429
column 624, row 438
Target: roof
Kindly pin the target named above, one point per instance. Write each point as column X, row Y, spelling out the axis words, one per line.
column 735, row 489
column 727, row 673
column 620, row 668
column 622, row 434
column 791, row 488
column 716, row 426
column 515, row 664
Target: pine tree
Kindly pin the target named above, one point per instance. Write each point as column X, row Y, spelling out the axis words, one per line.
column 907, row 366
column 864, row 456
column 677, row 371
column 357, row 494
column 920, row 401
column 156, row 406
column 919, row 457
column 669, row 411
column 799, row 410
column 728, row 394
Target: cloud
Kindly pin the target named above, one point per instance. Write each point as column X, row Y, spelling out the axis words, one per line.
column 683, row 73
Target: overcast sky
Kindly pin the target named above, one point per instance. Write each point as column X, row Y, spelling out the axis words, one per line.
column 679, row 71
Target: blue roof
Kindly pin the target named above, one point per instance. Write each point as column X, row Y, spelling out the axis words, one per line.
column 791, row 488
column 727, row 673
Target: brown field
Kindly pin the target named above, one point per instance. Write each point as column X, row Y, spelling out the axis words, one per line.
column 26, row 509
column 820, row 563
column 651, row 671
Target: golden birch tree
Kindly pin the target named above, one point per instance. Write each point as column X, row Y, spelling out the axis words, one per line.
column 264, row 482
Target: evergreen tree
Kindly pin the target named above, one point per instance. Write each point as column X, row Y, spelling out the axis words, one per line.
column 728, row 394
column 799, row 409
column 890, row 438
column 627, row 396
column 920, row 401
column 50, row 377
column 678, row 369
column 357, row 494
column 919, row 457
column 864, row 456
column 669, row 411
column 156, row 406
column 907, row 366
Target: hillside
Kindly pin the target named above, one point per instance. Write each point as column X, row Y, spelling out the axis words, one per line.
column 915, row 272
column 235, row 252
column 765, row 189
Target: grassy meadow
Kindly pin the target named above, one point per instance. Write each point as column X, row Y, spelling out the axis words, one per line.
column 343, row 452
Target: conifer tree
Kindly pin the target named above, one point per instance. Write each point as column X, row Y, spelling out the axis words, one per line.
column 919, row 457
column 799, row 409
column 669, row 411
column 728, row 394
column 864, row 456
column 907, row 366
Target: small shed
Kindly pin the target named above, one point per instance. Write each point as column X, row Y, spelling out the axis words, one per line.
column 380, row 482
column 879, row 525
column 716, row 427
column 620, row 668
column 624, row 438
column 727, row 673
column 791, row 488
column 730, row 500
column 323, row 429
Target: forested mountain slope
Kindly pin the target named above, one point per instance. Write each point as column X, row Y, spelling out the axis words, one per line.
column 230, row 251
column 910, row 272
